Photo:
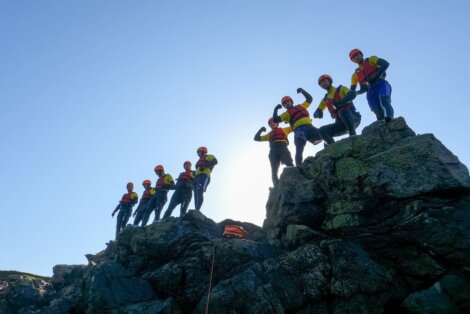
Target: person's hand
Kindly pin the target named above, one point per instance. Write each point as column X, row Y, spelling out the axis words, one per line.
column 263, row 129
column 112, row 215
column 299, row 90
column 318, row 113
column 279, row 106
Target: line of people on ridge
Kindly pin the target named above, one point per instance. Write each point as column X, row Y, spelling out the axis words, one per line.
column 369, row 74
column 154, row 199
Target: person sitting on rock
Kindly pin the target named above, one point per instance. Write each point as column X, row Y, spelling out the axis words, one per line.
column 183, row 191
column 338, row 100
column 299, row 119
column 125, row 205
column 370, row 74
column 204, row 167
column 278, row 151
column 164, row 184
column 146, row 196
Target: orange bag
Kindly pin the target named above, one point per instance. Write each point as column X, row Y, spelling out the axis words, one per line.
column 233, row 231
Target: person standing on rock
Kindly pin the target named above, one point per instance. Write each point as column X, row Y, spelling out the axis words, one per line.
column 338, row 100
column 370, row 74
column 204, row 167
column 278, row 151
column 299, row 119
column 146, row 196
column 125, row 205
column 164, row 184
column 183, row 191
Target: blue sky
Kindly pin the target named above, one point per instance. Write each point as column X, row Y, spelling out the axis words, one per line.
column 96, row 93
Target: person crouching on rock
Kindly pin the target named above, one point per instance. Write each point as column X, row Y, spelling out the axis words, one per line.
column 125, row 205
column 164, row 184
column 146, row 196
column 299, row 119
column 183, row 191
column 338, row 100
column 278, row 151
column 204, row 167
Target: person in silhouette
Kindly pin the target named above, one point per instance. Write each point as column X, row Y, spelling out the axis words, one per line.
column 124, row 207
column 299, row 119
column 338, row 100
column 278, row 151
column 164, row 184
column 370, row 74
column 204, row 167
column 146, row 196
column 183, row 191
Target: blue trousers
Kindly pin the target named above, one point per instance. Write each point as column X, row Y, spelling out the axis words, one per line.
column 302, row 134
column 379, row 97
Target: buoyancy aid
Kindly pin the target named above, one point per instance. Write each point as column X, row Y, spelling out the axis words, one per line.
column 160, row 182
column 296, row 113
column 367, row 71
column 186, row 176
column 276, row 135
column 337, row 96
column 202, row 162
column 127, row 198
column 147, row 193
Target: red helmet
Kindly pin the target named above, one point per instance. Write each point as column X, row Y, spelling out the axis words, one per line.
column 286, row 98
column 325, row 76
column 187, row 162
column 159, row 168
column 130, row 184
column 147, row 182
column 202, row 149
column 353, row 52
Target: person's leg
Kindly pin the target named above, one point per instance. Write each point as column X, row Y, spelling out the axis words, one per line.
column 374, row 102
column 385, row 97
column 286, row 157
column 275, row 161
column 126, row 215
column 139, row 212
column 175, row 200
column 348, row 120
column 118, row 222
column 201, row 182
column 328, row 131
column 161, row 201
column 357, row 119
column 299, row 140
column 148, row 210
column 186, row 196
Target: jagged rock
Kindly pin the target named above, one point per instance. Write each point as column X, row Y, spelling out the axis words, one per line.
column 376, row 223
column 109, row 285
column 432, row 301
column 297, row 235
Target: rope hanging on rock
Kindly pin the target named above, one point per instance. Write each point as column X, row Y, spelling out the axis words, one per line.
column 210, row 280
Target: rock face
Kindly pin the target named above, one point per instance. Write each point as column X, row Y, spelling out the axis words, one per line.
column 376, row 223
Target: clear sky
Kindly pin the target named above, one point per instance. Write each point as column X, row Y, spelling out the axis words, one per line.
column 94, row 94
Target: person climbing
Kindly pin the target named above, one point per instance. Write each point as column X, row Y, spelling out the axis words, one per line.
column 299, row 119
column 183, row 191
column 370, row 74
column 338, row 100
column 278, row 151
column 125, row 205
column 146, row 196
column 164, row 184
column 204, row 167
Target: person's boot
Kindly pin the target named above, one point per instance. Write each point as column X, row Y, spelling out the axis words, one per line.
column 387, row 120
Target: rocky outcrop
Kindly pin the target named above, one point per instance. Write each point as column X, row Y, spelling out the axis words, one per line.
column 376, row 223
